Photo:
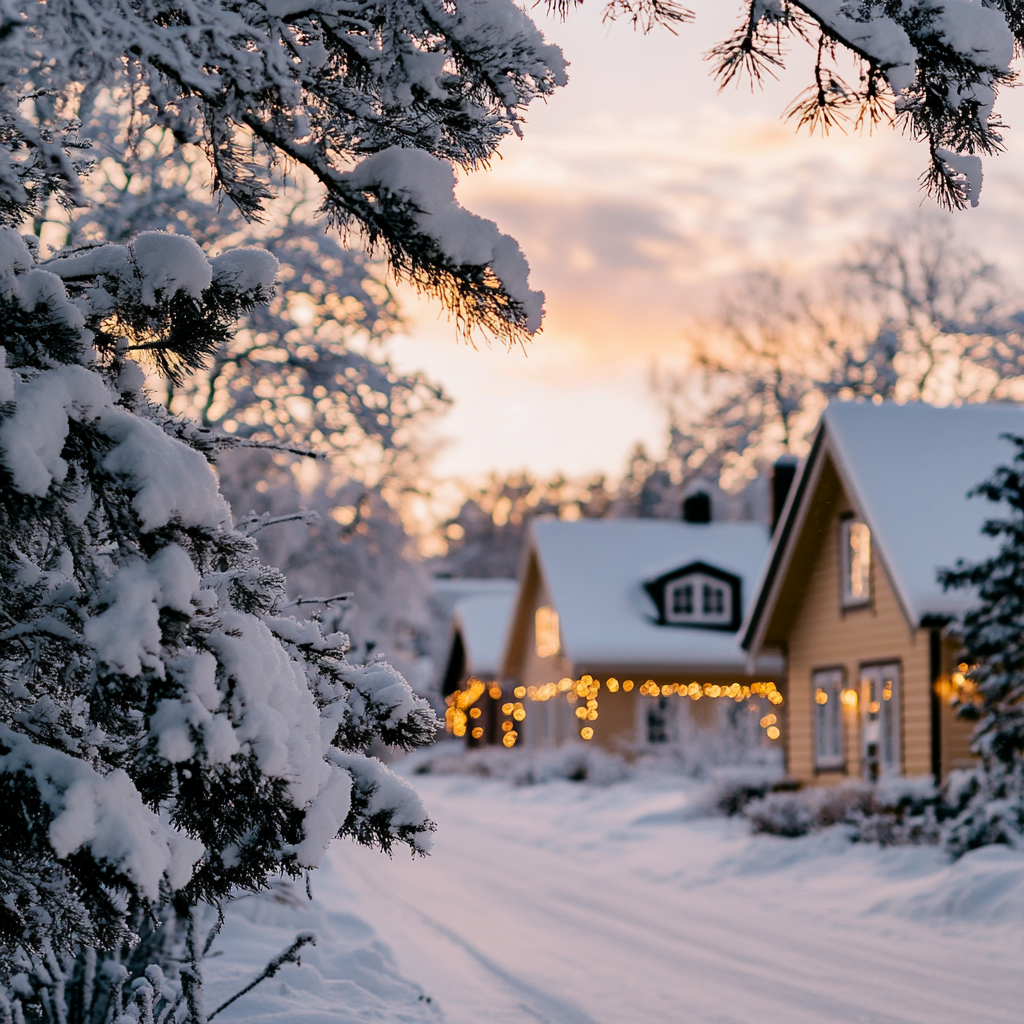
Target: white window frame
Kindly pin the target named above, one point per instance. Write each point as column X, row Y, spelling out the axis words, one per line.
column 699, row 582
column 855, row 591
column 882, row 726
column 829, row 734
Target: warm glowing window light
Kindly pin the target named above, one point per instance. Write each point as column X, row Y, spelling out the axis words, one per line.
column 856, row 541
column 546, row 630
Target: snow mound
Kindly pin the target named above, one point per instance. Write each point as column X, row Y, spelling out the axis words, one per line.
column 348, row 977
column 984, row 887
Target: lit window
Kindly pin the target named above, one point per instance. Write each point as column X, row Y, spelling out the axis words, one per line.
column 699, row 599
column 546, row 627
column 880, row 720
column 826, row 691
column 856, row 563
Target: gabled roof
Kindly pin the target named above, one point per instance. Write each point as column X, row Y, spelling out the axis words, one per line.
column 594, row 572
column 483, row 622
column 908, row 470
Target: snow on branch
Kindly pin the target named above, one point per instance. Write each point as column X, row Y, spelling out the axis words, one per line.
column 322, row 85
column 934, row 67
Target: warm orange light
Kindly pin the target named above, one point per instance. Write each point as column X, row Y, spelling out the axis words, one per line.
column 775, row 697
column 475, row 712
column 587, row 733
column 772, row 732
column 612, row 684
column 768, row 720
column 509, row 739
column 581, row 712
column 494, row 693
column 507, row 727
column 519, row 714
column 874, row 707
column 564, row 684
column 507, row 709
column 628, row 685
column 520, row 692
column 820, row 696
column 849, row 698
column 477, row 733
column 546, row 630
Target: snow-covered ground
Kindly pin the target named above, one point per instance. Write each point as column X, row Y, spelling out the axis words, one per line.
column 574, row 904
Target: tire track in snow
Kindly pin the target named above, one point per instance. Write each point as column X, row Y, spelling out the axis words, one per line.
column 540, row 1005
column 534, row 918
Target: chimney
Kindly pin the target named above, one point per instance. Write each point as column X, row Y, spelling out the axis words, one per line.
column 783, row 473
column 697, row 508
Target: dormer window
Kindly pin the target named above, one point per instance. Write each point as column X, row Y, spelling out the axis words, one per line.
column 698, row 599
column 855, row 563
column 697, row 595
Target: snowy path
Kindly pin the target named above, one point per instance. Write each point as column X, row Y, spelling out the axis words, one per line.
column 575, row 905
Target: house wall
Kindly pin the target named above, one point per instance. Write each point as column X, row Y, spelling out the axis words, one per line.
column 955, row 732
column 622, row 717
column 824, row 635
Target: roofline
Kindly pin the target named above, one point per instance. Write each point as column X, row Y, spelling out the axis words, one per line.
column 849, row 482
column 753, row 631
column 794, row 515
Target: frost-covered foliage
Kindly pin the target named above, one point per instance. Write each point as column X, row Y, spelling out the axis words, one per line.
column 934, row 67
column 352, row 544
column 376, row 100
column 149, row 676
column 912, row 315
column 486, row 535
column 989, row 800
column 307, row 368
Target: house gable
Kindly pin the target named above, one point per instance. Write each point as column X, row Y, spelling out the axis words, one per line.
column 697, row 596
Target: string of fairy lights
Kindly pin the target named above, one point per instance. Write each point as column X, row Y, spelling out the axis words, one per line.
column 582, row 694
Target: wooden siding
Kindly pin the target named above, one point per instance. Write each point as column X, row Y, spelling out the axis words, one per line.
column 622, row 716
column 818, row 633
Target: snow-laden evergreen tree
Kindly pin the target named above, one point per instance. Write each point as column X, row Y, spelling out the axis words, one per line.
column 375, row 100
column 988, row 801
column 148, row 673
column 932, row 67
column 309, row 370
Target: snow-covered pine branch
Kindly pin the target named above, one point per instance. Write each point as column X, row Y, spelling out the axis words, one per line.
column 935, row 66
column 148, row 674
column 376, row 99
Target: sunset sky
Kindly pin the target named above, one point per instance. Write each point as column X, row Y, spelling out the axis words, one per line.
column 637, row 192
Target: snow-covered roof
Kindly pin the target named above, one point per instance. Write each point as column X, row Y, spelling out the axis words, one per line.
column 908, row 470
column 594, row 571
column 483, row 622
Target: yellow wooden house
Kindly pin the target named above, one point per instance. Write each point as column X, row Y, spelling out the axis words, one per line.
column 619, row 624
column 850, row 594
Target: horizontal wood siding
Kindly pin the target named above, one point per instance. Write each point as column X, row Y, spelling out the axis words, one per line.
column 822, row 635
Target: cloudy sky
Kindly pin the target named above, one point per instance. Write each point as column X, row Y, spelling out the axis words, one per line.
column 636, row 194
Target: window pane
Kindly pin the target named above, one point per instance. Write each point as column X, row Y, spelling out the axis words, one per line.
column 856, row 562
column 826, row 688
column 546, row 629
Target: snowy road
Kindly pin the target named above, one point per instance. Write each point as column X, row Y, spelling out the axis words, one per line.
column 570, row 904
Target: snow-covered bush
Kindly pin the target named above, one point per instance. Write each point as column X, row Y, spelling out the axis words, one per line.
column 575, row 762
column 732, row 789
column 987, row 803
column 896, row 813
column 166, row 735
